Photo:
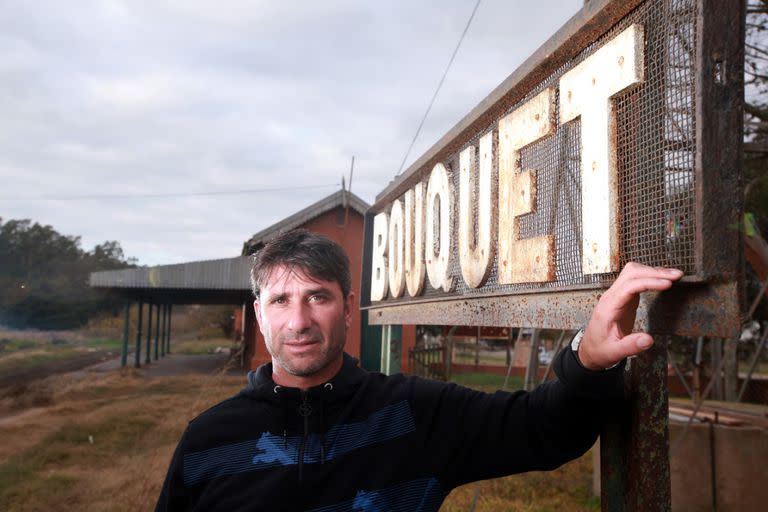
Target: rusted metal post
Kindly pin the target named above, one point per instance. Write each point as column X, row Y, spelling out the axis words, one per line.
column 731, row 369
column 509, row 348
column 716, row 357
column 137, row 352
column 719, row 103
column 126, row 320
column 697, row 359
column 533, row 361
column 477, row 348
column 634, row 444
column 148, row 358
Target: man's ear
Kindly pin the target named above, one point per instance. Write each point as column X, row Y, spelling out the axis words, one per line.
column 257, row 312
column 349, row 304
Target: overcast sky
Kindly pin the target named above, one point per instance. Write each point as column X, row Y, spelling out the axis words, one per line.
column 151, row 97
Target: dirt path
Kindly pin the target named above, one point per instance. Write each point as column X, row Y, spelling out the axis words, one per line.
column 25, row 375
column 103, row 361
column 175, row 364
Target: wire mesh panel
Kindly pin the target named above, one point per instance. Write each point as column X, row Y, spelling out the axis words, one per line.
column 655, row 141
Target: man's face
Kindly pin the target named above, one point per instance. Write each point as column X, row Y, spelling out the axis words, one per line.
column 304, row 322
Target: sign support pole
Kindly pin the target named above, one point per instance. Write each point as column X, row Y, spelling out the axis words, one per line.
column 634, row 444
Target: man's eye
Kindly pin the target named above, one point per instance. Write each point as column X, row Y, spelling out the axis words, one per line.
column 317, row 298
column 279, row 300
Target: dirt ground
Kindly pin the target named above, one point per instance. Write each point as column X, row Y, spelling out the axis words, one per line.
column 24, row 375
column 100, row 438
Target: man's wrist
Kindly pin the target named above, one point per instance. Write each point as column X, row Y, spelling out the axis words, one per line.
column 576, row 345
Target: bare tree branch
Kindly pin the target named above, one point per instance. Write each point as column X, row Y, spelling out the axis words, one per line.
column 758, row 49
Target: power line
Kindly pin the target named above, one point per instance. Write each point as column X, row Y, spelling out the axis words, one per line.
column 439, row 85
column 164, row 194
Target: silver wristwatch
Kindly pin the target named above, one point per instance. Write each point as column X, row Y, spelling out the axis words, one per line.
column 576, row 341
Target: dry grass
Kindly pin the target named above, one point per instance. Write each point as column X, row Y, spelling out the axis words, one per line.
column 103, row 443
column 568, row 488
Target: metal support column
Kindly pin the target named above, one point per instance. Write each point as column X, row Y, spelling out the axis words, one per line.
column 157, row 332
column 716, row 353
column 634, row 444
column 126, row 320
column 168, row 338
column 532, row 370
column 165, row 330
column 148, row 358
column 137, row 353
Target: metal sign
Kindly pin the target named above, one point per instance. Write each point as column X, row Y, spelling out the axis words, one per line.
column 595, row 152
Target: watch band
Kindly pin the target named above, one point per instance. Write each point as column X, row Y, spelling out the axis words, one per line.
column 576, row 342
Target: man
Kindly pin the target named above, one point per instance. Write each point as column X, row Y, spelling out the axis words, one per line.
column 312, row 431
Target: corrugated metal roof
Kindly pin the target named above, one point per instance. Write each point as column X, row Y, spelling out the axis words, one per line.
column 223, row 274
column 340, row 198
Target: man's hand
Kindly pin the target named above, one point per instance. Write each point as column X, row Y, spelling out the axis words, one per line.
column 608, row 337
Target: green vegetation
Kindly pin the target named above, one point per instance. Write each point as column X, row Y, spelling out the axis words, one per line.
column 486, row 357
column 200, row 346
column 44, row 277
column 487, row 381
column 18, row 351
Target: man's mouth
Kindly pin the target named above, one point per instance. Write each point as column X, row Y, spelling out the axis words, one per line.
column 301, row 342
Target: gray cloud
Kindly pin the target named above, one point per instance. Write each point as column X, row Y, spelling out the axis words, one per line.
column 187, row 96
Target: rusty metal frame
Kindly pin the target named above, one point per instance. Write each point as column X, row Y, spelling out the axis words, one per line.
column 719, row 134
column 685, row 310
column 635, row 439
column 713, row 294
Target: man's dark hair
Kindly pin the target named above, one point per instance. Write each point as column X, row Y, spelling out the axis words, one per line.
column 315, row 255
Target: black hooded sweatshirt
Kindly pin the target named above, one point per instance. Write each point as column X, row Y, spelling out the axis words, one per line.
column 370, row 442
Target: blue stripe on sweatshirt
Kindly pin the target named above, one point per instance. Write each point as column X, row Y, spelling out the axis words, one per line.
column 423, row 495
column 270, row 451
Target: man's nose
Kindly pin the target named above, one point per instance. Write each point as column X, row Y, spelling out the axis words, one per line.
column 299, row 319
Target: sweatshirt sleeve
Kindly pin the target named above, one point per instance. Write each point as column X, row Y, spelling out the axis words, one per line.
column 474, row 436
column 174, row 495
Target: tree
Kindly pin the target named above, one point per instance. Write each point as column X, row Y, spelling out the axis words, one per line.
column 44, row 276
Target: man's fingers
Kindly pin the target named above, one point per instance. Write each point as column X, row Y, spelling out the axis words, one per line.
column 633, row 344
column 630, row 345
column 598, row 355
column 634, row 270
column 636, row 278
column 624, row 293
